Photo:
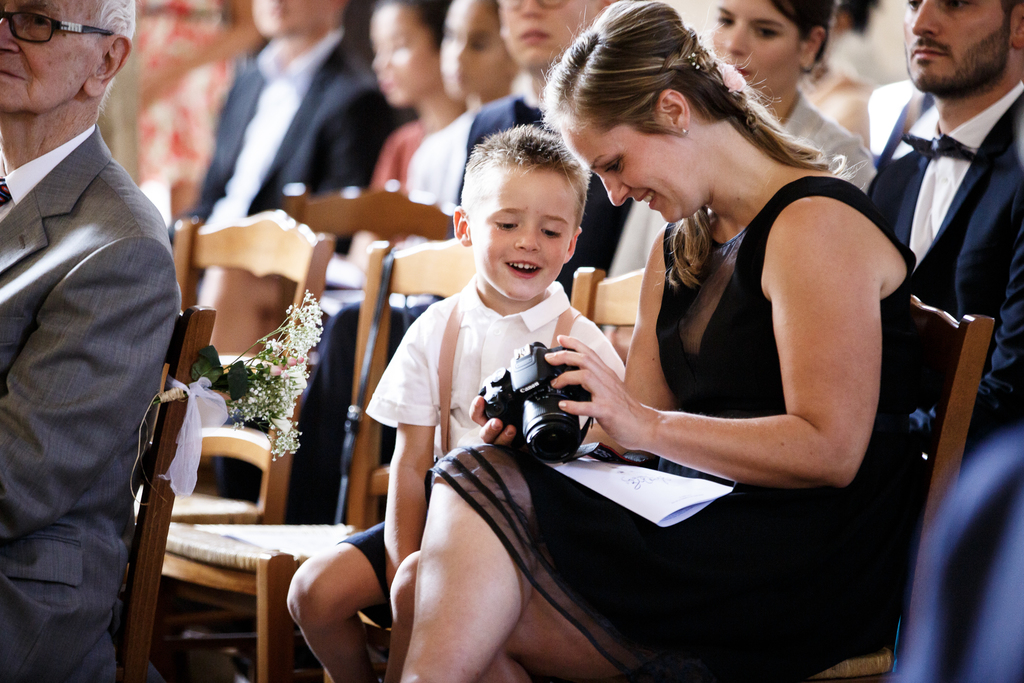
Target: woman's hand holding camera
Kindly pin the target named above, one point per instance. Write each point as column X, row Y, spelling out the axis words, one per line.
column 622, row 417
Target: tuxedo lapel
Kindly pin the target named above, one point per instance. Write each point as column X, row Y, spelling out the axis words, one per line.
column 998, row 139
column 905, row 219
column 56, row 194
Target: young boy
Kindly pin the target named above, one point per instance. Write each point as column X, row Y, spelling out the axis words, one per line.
column 522, row 203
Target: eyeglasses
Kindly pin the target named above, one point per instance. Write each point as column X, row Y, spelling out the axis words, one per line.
column 36, row 28
column 543, row 4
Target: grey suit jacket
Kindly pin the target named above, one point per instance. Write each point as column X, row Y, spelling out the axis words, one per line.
column 88, row 300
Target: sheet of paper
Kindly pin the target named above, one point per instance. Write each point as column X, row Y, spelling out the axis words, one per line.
column 661, row 497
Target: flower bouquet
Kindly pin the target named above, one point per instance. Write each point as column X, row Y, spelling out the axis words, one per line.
column 262, row 390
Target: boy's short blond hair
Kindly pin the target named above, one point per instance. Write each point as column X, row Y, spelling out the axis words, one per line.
column 524, row 149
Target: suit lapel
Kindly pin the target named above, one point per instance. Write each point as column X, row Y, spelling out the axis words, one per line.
column 998, row 139
column 22, row 232
column 905, row 219
column 243, row 109
column 307, row 112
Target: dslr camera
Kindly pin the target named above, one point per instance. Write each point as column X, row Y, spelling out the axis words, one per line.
column 521, row 395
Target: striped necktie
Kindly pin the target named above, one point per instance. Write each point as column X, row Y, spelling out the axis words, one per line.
column 5, row 194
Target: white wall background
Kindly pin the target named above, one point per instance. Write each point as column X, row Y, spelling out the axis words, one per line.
column 877, row 56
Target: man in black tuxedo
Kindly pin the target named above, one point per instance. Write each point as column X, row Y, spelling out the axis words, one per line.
column 302, row 111
column 958, row 201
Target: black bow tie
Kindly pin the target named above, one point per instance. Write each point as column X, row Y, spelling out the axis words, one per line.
column 943, row 146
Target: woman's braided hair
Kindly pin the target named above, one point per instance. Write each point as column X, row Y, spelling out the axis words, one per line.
column 613, row 75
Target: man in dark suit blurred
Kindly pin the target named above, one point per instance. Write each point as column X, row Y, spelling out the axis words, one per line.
column 958, row 200
column 302, row 111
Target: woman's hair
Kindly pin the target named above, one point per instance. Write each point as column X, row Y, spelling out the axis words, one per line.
column 522, row 150
column 431, row 13
column 613, row 75
column 859, row 11
column 808, row 15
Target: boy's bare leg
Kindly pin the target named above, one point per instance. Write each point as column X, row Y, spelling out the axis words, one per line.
column 326, row 593
column 476, row 616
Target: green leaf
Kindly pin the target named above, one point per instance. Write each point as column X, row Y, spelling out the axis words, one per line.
column 208, row 365
column 238, row 380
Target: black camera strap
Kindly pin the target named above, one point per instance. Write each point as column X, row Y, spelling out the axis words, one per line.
column 446, row 363
column 355, row 411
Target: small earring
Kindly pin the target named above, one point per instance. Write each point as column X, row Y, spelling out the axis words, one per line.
column 685, row 132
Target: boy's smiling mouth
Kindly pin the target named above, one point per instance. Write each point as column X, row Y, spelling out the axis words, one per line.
column 524, row 268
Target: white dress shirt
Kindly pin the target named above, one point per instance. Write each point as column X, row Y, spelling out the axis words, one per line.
column 283, row 91
column 408, row 391
column 21, row 180
column 944, row 174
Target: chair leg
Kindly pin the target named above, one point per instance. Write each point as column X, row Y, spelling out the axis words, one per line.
column 275, row 630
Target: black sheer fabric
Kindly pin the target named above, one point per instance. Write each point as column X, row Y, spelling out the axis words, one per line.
column 763, row 584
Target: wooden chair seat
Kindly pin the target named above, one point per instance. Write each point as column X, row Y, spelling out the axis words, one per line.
column 200, row 508
column 220, row 545
column 874, row 664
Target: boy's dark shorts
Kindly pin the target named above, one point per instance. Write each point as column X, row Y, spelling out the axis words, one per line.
column 371, row 543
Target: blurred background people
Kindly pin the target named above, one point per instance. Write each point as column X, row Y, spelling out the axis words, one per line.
column 476, row 68
column 186, row 48
column 406, row 37
column 969, row 626
column 837, row 90
column 775, row 44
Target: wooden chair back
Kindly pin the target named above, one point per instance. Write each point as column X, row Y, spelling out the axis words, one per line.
column 438, row 268
column 191, row 333
column 268, row 243
column 387, row 214
column 958, row 351
column 607, row 301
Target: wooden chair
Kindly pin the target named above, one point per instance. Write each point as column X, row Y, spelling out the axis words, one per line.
column 269, row 243
column 438, row 268
column 388, row 214
column 251, row 446
column 210, row 565
column 191, row 333
column 957, row 351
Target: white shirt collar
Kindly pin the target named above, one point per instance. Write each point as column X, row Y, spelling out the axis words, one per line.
column 300, row 69
column 555, row 301
column 973, row 132
column 23, row 179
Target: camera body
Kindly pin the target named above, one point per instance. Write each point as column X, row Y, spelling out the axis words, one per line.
column 521, row 395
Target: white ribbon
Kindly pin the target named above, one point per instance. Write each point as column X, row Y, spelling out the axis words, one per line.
column 205, row 408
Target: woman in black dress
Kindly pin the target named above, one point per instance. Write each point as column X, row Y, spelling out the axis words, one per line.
column 773, row 348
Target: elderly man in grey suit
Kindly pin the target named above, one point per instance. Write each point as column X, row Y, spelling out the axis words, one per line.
column 87, row 304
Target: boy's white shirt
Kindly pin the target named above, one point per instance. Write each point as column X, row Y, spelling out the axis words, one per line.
column 408, row 391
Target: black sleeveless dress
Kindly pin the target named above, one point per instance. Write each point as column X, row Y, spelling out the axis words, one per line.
column 763, row 584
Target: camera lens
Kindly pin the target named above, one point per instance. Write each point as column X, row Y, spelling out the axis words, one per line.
column 551, row 433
